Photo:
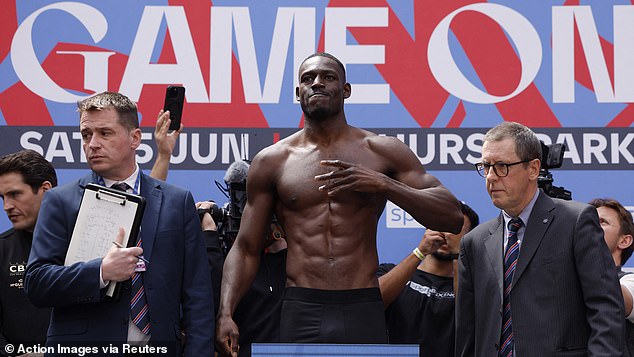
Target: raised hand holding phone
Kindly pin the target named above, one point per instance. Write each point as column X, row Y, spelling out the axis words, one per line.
column 174, row 99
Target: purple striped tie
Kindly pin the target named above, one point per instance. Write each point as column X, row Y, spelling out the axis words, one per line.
column 138, row 303
column 121, row 186
column 511, row 254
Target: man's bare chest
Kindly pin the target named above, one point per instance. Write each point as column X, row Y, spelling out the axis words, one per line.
column 297, row 185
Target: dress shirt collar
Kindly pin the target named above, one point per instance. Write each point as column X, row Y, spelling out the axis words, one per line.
column 526, row 212
column 131, row 180
column 524, row 215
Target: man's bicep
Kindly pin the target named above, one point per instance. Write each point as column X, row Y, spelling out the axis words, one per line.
column 257, row 212
column 418, row 179
column 408, row 168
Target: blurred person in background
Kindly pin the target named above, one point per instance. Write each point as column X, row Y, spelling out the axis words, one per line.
column 618, row 229
column 419, row 292
column 25, row 176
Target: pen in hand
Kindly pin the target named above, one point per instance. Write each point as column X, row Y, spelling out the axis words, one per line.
column 121, row 246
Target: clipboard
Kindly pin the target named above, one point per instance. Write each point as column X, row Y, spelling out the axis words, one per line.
column 103, row 210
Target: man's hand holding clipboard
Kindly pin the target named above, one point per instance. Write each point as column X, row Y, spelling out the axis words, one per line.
column 106, row 214
column 119, row 263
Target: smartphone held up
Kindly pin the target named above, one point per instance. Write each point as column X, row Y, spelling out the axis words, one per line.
column 174, row 99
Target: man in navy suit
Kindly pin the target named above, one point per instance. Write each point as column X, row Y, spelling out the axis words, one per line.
column 169, row 295
column 538, row 280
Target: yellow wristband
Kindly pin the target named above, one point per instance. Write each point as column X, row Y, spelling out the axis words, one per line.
column 418, row 254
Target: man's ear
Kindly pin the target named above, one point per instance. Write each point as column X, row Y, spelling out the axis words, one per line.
column 46, row 185
column 297, row 94
column 347, row 90
column 625, row 241
column 136, row 138
column 534, row 166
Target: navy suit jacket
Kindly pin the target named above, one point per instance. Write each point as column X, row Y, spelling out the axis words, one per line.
column 565, row 296
column 177, row 281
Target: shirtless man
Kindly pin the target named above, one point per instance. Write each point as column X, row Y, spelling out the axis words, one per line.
column 328, row 184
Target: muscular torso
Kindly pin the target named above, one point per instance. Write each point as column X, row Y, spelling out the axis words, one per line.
column 331, row 240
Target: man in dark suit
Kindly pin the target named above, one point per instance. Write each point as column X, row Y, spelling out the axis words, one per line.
column 174, row 287
column 538, row 280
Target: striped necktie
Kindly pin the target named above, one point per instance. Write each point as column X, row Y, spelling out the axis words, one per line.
column 138, row 303
column 512, row 252
column 121, row 186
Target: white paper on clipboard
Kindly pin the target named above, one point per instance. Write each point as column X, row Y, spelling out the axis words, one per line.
column 101, row 214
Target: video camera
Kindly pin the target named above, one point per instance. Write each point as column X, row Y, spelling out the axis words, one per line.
column 552, row 158
column 227, row 217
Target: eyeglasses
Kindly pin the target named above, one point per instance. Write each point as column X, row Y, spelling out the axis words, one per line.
column 500, row 169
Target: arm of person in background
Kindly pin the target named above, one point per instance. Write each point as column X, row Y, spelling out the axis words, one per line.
column 212, row 245
column 393, row 282
column 165, row 142
column 206, row 222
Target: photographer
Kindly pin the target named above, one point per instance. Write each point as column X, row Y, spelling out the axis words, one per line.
column 258, row 314
column 212, row 244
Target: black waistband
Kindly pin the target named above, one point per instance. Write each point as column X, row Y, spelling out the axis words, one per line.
column 333, row 296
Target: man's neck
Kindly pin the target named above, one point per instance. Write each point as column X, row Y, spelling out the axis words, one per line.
column 516, row 211
column 436, row 266
column 617, row 258
column 325, row 130
column 118, row 177
column 121, row 176
column 28, row 233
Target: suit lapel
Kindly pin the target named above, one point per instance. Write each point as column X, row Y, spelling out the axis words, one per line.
column 90, row 178
column 538, row 222
column 153, row 195
column 81, row 183
column 493, row 245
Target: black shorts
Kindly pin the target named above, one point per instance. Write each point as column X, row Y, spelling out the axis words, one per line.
column 332, row 316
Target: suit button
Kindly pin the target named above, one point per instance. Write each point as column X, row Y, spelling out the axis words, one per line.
column 497, row 347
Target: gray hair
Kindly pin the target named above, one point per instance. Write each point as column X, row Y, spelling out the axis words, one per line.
column 527, row 145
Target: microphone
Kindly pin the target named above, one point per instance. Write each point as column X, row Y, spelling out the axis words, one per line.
column 237, row 172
